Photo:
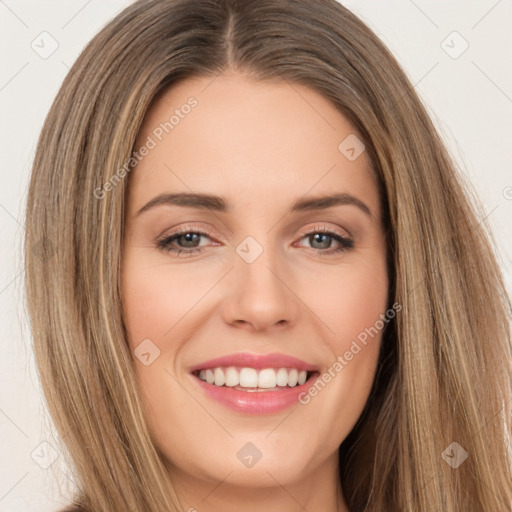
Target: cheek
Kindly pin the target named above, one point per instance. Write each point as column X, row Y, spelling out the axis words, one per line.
column 156, row 302
column 348, row 298
column 156, row 298
column 351, row 302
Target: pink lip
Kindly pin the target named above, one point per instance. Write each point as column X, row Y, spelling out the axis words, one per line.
column 257, row 361
column 255, row 402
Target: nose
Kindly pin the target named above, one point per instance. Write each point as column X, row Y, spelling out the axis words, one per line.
column 260, row 294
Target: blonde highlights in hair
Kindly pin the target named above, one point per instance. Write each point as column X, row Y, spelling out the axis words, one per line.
column 445, row 364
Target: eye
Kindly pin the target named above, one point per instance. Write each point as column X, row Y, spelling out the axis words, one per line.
column 187, row 241
column 321, row 240
column 187, row 238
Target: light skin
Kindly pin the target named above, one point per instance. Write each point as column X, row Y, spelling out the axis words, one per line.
column 261, row 146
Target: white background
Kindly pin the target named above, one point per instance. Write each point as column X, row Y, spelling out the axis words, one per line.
column 470, row 99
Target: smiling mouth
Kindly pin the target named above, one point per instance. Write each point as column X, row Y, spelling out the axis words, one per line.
column 251, row 383
column 254, row 380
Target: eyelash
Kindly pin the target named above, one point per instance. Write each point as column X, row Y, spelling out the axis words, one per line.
column 164, row 244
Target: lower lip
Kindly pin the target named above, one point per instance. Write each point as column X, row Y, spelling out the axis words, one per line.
column 256, row 402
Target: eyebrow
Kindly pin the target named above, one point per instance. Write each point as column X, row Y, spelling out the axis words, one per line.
column 219, row 204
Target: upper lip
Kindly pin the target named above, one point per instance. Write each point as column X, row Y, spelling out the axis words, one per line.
column 257, row 361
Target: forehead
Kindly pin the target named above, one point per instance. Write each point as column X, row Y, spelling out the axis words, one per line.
column 255, row 141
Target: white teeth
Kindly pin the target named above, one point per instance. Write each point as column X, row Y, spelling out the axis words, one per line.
column 248, row 378
column 232, row 377
column 209, row 377
column 293, row 377
column 267, row 378
column 282, row 377
column 219, row 377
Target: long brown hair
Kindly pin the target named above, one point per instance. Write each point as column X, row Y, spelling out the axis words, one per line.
column 445, row 365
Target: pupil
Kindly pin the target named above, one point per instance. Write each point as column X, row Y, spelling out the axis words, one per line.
column 316, row 238
column 190, row 238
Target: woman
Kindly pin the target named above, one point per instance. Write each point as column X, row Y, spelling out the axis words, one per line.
column 265, row 284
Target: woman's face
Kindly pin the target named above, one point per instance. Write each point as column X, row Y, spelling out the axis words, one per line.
column 272, row 284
